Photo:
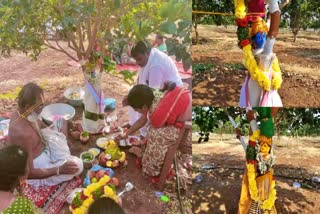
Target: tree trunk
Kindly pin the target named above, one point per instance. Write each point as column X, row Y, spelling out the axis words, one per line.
column 295, row 33
column 197, row 34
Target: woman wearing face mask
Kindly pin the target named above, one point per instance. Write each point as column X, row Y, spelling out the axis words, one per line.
column 13, row 172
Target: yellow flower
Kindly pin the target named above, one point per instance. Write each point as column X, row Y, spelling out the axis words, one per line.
column 123, row 157
column 104, row 180
column 253, row 190
column 240, row 7
column 255, row 135
column 269, row 203
column 276, row 75
column 108, row 192
column 257, row 75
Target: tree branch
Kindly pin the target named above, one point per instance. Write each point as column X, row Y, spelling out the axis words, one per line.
column 80, row 37
column 69, row 45
column 95, row 29
column 61, row 50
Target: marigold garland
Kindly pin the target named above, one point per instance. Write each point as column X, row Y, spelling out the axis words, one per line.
column 255, row 135
column 89, row 196
column 249, row 60
column 254, row 194
column 240, row 9
column 269, row 203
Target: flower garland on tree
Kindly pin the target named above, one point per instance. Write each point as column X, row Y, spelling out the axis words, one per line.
column 244, row 36
column 103, row 188
column 262, row 136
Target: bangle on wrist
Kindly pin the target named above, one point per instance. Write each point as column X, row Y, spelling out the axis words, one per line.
column 58, row 170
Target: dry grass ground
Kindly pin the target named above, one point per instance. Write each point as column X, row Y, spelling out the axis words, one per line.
column 297, row 159
column 300, row 63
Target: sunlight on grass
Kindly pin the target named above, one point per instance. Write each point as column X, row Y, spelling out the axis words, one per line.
column 11, row 95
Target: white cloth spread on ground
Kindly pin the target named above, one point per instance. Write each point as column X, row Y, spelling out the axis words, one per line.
column 91, row 105
column 55, row 154
column 159, row 69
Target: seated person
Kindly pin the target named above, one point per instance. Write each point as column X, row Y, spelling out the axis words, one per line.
column 126, row 57
column 25, row 131
column 160, row 44
column 13, row 172
column 166, row 110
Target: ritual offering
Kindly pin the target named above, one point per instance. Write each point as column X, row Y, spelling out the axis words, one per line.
column 104, row 187
column 74, row 96
column 110, row 130
column 87, row 159
column 94, row 151
column 84, row 137
column 112, row 156
column 258, row 193
column 95, row 173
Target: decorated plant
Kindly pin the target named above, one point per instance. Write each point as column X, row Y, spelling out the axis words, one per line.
column 260, row 159
column 251, row 34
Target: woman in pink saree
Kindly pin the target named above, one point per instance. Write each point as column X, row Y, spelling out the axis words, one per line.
column 166, row 111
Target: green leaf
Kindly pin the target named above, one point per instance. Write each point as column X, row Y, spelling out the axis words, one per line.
column 168, row 27
column 117, row 3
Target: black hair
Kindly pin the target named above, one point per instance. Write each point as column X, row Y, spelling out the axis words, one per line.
column 160, row 37
column 169, row 86
column 140, row 48
column 139, row 96
column 13, row 163
column 105, row 206
column 29, row 95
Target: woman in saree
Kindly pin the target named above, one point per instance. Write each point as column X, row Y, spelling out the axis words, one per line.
column 13, row 172
column 166, row 111
column 258, row 193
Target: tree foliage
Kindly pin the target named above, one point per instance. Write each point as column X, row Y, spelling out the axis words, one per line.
column 289, row 121
column 301, row 14
column 223, row 6
column 32, row 25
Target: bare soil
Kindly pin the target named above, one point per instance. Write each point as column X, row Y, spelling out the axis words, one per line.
column 297, row 159
column 299, row 62
column 54, row 75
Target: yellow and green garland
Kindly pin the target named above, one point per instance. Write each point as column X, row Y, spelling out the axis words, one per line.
column 244, row 33
column 262, row 135
column 103, row 188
